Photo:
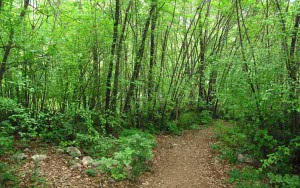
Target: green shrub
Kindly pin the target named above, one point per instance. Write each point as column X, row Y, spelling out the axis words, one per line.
column 7, row 176
column 18, row 117
column 247, row 177
column 205, row 117
column 7, row 108
column 232, row 141
column 280, row 163
column 285, row 181
column 104, row 147
column 191, row 119
column 263, row 142
column 75, row 127
column 132, row 155
column 6, row 140
column 173, row 128
column 187, row 119
column 277, row 167
column 91, row 172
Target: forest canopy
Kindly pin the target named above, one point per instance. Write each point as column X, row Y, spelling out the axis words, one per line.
column 74, row 69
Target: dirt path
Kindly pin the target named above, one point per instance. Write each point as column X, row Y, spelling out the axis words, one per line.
column 180, row 162
column 186, row 161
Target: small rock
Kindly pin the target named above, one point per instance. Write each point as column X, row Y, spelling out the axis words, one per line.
column 111, row 180
column 145, row 183
column 26, row 150
column 60, row 151
column 73, row 162
column 250, row 161
column 76, row 158
column 241, row 158
column 87, row 160
column 175, row 145
column 38, row 158
column 73, row 151
column 96, row 163
column 246, row 159
column 75, row 166
column 20, row 156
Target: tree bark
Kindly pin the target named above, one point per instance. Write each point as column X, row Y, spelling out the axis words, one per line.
column 138, row 61
column 112, row 56
column 119, row 54
column 152, row 53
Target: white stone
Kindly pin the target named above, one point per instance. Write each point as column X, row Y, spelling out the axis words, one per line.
column 87, row 160
column 73, row 151
column 39, row 158
column 21, row 156
column 75, row 166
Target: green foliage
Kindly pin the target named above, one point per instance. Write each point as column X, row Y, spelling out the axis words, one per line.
column 75, row 127
column 285, row 181
column 116, row 166
column 19, row 118
column 246, row 178
column 91, row 172
column 132, row 155
column 263, row 141
column 104, row 147
column 205, row 117
column 57, row 76
column 187, row 119
column 173, row 128
column 7, row 176
column 279, row 165
column 193, row 119
column 6, row 140
column 7, row 108
column 278, row 161
column 231, row 141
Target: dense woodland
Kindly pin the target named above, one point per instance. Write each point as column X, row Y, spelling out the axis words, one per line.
column 89, row 73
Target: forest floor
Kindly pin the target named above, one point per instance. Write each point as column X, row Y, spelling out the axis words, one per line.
column 185, row 161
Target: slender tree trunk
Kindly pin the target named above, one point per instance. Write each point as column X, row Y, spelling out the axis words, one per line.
column 138, row 62
column 112, row 55
column 95, row 76
column 118, row 55
column 152, row 53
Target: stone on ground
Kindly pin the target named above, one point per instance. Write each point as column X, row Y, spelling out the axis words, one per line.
column 38, row 158
column 60, row 151
column 75, row 166
column 73, row 151
column 87, row 160
column 20, row 156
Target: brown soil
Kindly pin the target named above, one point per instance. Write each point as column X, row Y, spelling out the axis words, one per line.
column 185, row 162
column 180, row 162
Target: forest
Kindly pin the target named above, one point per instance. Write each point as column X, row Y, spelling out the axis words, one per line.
column 138, row 86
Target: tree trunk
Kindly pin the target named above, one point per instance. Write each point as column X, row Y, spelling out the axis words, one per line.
column 137, row 65
column 112, row 56
column 152, row 53
column 118, row 55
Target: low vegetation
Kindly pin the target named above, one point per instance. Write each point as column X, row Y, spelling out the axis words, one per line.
column 107, row 76
column 266, row 158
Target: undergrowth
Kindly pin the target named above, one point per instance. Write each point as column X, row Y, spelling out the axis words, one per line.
column 273, row 163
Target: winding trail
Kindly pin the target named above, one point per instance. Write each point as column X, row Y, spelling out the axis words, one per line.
column 186, row 161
